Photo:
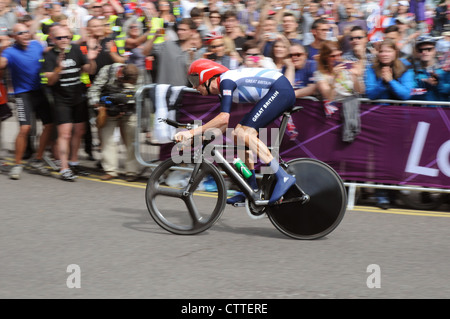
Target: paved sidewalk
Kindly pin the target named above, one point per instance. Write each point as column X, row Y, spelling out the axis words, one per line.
column 9, row 129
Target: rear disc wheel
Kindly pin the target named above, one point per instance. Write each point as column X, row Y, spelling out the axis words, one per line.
column 326, row 206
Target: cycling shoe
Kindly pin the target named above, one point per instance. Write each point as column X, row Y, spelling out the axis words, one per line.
column 238, row 198
column 281, row 187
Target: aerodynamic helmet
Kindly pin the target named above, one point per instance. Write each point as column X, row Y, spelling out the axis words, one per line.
column 203, row 70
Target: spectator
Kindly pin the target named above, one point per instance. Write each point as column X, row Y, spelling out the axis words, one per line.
column 53, row 9
column 319, row 30
column 358, row 47
column 197, row 43
column 269, row 35
column 173, row 57
column 166, row 20
column 77, row 16
column 134, row 43
column 249, row 18
column 443, row 45
column 393, row 33
column 113, row 20
column 309, row 14
column 347, row 25
column 403, row 10
column 7, row 19
column 217, row 51
column 214, row 22
column 442, row 17
column 290, row 27
column 97, row 35
column 407, row 36
column 280, row 52
column 335, row 79
column 186, row 7
column 253, row 57
column 198, row 17
column 233, row 30
column 389, row 77
column 428, row 74
column 23, row 61
column 111, row 79
column 165, row 13
column 62, row 68
column 300, row 71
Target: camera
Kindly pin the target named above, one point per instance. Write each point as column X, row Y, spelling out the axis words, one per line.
column 119, row 102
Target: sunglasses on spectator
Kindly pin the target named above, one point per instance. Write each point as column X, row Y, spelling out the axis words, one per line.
column 214, row 17
column 252, row 54
column 356, row 38
column 63, row 37
column 22, row 32
column 216, row 46
column 429, row 49
column 335, row 55
column 96, row 7
column 296, row 54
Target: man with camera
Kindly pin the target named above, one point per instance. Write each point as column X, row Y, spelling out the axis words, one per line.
column 113, row 95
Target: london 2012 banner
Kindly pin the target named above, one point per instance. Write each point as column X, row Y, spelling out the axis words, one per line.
column 397, row 144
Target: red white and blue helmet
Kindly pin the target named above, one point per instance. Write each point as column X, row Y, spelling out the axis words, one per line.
column 202, row 70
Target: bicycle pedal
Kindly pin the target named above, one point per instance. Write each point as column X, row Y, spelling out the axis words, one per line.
column 239, row 204
column 279, row 202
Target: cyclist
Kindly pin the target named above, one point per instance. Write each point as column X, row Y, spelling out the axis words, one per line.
column 268, row 89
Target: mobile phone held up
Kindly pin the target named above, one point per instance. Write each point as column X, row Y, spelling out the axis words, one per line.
column 212, row 56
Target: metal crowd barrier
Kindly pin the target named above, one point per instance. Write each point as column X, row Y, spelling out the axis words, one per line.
column 352, row 186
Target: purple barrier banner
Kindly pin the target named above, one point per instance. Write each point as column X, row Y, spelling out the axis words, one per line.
column 400, row 145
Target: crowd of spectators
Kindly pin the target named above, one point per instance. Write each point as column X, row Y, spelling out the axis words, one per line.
column 333, row 50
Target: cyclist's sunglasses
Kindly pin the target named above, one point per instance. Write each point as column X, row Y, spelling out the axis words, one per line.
column 194, row 79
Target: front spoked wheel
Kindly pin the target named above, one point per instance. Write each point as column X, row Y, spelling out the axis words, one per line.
column 181, row 212
column 326, row 206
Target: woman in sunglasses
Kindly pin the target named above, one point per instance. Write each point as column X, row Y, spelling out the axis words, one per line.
column 337, row 79
column 340, row 81
column 220, row 51
column 389, row 77
column 300, row 71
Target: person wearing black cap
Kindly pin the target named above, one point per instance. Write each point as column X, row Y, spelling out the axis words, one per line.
column 431, row 80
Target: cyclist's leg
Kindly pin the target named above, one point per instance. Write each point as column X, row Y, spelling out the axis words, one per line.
column 280, row 98
column 284, row 180
column 239, row 134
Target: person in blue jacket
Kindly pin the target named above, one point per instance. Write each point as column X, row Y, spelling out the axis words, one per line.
column 389, row 77
column 429, row 76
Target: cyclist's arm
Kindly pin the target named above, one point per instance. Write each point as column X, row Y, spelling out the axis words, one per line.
column 221, row 121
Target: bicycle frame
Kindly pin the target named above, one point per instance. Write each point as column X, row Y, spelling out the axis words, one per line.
column 254, row 196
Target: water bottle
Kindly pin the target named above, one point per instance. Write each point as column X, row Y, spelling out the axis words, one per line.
column 241, row 167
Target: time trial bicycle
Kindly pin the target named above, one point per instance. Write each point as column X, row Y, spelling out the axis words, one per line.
column 311, row 209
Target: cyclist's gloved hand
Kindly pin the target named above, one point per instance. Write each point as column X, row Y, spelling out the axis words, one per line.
column 183, row 136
